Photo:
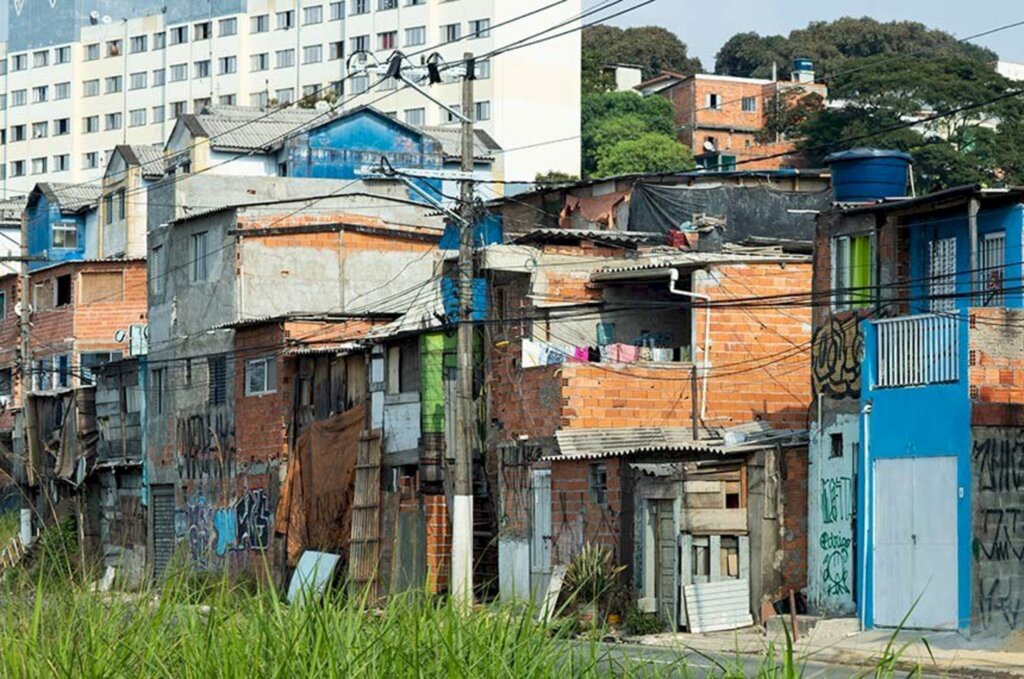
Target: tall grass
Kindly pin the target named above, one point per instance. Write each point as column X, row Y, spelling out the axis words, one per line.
column 10, row 525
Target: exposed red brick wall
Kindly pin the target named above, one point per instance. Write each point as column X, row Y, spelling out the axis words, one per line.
column 794, row 520
column 439, row 542
column 575, row 518
column 261, row 421
column 996, row 359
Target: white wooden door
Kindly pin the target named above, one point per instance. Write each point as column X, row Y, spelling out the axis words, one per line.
column 915, row 542
column 540, row 539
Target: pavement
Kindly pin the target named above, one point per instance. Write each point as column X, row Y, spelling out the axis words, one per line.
column 838, row 646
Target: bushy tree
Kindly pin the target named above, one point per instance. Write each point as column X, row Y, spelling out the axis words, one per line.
column 611, row 117
column 651, row 152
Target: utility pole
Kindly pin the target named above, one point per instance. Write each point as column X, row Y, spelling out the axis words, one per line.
column 25, row 380
column 462, row 511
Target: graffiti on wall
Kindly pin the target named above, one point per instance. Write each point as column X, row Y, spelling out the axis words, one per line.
column 206, row 443
column 836, row 352
column 997, row 465
column 242, row 525
column 836, row 552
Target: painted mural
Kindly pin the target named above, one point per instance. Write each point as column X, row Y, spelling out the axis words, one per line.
column 837, row 349
column 997, row 466
column 207, row 531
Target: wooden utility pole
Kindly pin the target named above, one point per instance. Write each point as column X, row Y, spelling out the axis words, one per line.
column 462, row 509
column 25, row 380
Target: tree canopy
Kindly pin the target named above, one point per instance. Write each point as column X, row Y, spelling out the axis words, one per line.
column 653, row 48
column 832, row 44
column 650, row 152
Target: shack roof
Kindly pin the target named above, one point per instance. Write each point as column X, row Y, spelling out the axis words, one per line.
column 582, row 444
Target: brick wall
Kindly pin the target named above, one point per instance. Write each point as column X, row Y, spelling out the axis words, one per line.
column 439, row 542
column 996, row 358
column 261, row 421
column 794, row 520
column 576, row 518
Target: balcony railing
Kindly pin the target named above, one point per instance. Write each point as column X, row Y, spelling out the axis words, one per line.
column 918, row 350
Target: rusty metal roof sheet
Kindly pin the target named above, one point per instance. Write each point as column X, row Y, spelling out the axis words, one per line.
column 582, row 444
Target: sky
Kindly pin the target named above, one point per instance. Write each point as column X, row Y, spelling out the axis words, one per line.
column 704, row 26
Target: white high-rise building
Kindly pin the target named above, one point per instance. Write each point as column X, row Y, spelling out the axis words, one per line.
column 82, row 76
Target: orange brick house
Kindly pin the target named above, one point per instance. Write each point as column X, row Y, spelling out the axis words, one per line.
column 722, row 118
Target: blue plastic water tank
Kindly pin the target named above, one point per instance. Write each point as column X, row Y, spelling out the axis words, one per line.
column 867, row 175
column 802, row 64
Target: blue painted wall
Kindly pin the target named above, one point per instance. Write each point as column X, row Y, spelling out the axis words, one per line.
column 338, row 148
column 487, row 231
column 41, row 216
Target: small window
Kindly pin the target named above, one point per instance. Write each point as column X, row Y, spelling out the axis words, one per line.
column 836, row 449
column 3, row 304
column 217, row 367
column 416, row 36
column 480, row 28
column 62, row 370
column 714, row 101
column 228, row 27
column 6, row 375
column 65, row 235
column 158, row 389
column 729, row 547
column 451, row 33
column 749, row 104
column 62, row 291
column 259, row 23
column 202, row 31
column 261, row 376
column 313, row 15
column 156, row 270
column 415, row 116
column 200, row 255
column 599, row 483
column 852, row 271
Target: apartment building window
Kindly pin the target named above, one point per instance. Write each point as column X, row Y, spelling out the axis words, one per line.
column 158, row 114
column 313, row 15
column 337, row 10
column 852, row 271
column 447, row 115
column 179, row 35
column 202, row 31
column 202, row 69
column 227, row 65
column 61, row 126
column 480, row 28
column 90, row 160
column 226, row 27
column 713, row 101
column 114, row 84
column 387, row 40
column 217, row 367
column 19, row 98
column 201, row 104
column 3, row 67
column 90, row 124
column 413, row 3
column 200, row 254
column 388, row 84
column 91, row 88
column 62, row 162
column 115, row 48
column 386, row 4
column 159, row 77
column 19, row 62
column 40, row 94
column 360, row 6
column 62, row 55
column 415, row 36
column 360, row 83
column 360, row 43
column 65, row 235
column 312, row 54
column 40, row 130
column 157, row 266
column 227, row 100
column 285, row 58
column 137, row 117
column 19, row 133
column 483, row 69
column 259, row 62
column 285, row 96
column 259, row 99
column 259, row 23
column 108, row 209
column 309, row 91
column 39, row 166
column 62, row 91
column 451, row 32
column 3, row 102
column 286, row 20
column 18, row 168
column 261, row 376
column 415, row 116
column 179, row 72
column 138, row 43
column 40, row 59
column 138, row 81
column 336, row 50
column 749, row 104
column 159, row 41
column 112, row 121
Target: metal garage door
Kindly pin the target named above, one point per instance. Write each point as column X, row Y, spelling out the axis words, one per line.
column 915, row 542
column 162, row 498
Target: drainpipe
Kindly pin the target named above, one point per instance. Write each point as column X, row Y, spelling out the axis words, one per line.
column 673, row 280
column 864, row 512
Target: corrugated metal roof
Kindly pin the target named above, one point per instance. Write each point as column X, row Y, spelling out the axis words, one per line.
column 581, row 444
column 336, row 348
column 150, row 158
column 11, row 208
column 679, row 259
column 250, row 128
column 604, row 236
column 71, row 197
column 451, row 141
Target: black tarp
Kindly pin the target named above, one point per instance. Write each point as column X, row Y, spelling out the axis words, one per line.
column 749, row 211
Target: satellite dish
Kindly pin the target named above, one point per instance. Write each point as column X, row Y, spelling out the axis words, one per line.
column 709, row 145
column 106, row 18
column 119, row 336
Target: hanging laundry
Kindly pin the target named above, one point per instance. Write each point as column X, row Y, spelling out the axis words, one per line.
column 534, row 354
column 605, row 333
column 581, row 354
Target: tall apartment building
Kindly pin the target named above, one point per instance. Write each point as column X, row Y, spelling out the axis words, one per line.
column 80, row 77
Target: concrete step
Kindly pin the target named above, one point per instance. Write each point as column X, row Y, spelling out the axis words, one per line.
column 804, row 623
column 815, row 626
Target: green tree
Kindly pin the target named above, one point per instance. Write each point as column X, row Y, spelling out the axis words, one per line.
column 653, row 48
column 610, row 117
column 649, row 153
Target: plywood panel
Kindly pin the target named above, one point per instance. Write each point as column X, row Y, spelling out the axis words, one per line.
column 727, row 521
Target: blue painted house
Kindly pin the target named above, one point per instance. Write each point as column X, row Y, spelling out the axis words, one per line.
column 917, row 457
column 62, row 222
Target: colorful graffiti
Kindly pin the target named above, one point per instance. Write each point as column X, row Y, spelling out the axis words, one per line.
column 837, row 349
column 242, row 525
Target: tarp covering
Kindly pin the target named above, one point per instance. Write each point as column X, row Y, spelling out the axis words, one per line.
column 749, row 211
column 315, row 510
